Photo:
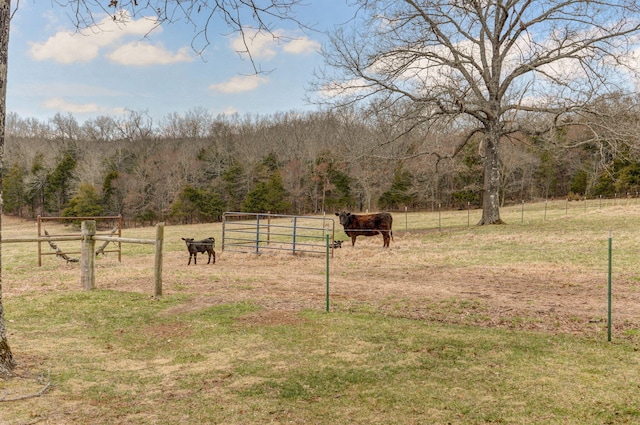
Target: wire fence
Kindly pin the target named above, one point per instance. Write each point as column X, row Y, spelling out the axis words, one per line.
column 550, row 235
column 594, row 254
column 523, row 212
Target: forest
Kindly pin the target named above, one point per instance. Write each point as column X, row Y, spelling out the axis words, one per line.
column 191, row 167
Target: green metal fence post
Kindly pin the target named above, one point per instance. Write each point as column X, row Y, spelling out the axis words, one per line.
column 327, row 272
column 609, row 290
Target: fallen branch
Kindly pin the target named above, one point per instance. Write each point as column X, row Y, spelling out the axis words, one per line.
column 39, row 393
column 59, row 252
column 100, row 249
column 25, row 397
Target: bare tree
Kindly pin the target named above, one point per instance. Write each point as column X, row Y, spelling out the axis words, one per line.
column 192, row 125
column 137, row 125
column 483, row 65
column 236, row 15
column 7, row 363
column 611, row 128
column 100, row 129
column 65, row 128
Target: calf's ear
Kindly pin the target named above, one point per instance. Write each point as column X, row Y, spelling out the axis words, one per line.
column 337, row 214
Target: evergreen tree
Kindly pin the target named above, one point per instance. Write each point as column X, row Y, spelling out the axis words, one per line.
column 36, row 182
column 628, row 178
column 333, row 185
column 197, row 205
column 277, row 196
column 398, row 194
column 340, row 193
column 270, row 196
column 108, row 188
column 14, row 190
column 60, row 181
column 86, row 203
column 234, row 186
column 579, row 182
column 256, row 199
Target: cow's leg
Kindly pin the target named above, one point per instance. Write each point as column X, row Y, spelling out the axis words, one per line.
column 214, row 257
column 208, row 262
column 195, row 258
column 190, row 255
column 353, row 240
column 385, row 239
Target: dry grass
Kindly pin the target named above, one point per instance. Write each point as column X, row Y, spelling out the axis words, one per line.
column 548, row 276
column 214, row 346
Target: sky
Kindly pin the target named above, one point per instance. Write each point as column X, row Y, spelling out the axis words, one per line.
column 54, row 69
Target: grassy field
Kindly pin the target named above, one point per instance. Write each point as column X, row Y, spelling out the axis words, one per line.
column 454, row 324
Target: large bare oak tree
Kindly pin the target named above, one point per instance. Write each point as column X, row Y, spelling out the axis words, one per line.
column 483, row 65
column 204, row 15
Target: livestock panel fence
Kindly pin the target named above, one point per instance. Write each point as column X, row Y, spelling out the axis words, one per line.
column 258, row 233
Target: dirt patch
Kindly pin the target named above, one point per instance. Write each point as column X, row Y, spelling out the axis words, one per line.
column 406, row 280
column 167, row 331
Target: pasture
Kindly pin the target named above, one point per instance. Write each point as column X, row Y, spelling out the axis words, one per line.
column 466, row 325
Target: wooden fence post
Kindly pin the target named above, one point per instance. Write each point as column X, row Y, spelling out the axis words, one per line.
column 157, row 289
column 88, row 261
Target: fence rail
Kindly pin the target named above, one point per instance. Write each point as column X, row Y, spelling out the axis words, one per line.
column 88, row 239
column 117, row 230
column 44, row 239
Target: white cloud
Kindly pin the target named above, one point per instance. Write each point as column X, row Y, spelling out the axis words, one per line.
column 68, row 47
column 239, row 84
column 59, row 104
column 337, row 89
column 65, row 48
column 265, row 46
column 261, row 45
column 141, row 54
column 301, row 46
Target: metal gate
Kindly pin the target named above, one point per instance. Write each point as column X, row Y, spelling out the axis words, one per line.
column 258, row 233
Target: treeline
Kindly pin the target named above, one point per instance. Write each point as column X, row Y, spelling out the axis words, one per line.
column 192, row 167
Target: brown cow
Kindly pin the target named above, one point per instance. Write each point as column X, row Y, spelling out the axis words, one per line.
column 367, row 225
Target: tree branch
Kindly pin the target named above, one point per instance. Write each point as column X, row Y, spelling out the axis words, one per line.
column 39, row 393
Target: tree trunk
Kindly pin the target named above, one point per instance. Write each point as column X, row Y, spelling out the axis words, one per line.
column 6, row 357
column 491, row 189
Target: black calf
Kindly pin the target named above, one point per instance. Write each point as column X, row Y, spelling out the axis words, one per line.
column 205, row 245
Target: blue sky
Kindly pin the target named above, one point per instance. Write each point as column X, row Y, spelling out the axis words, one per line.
column 54, row 69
